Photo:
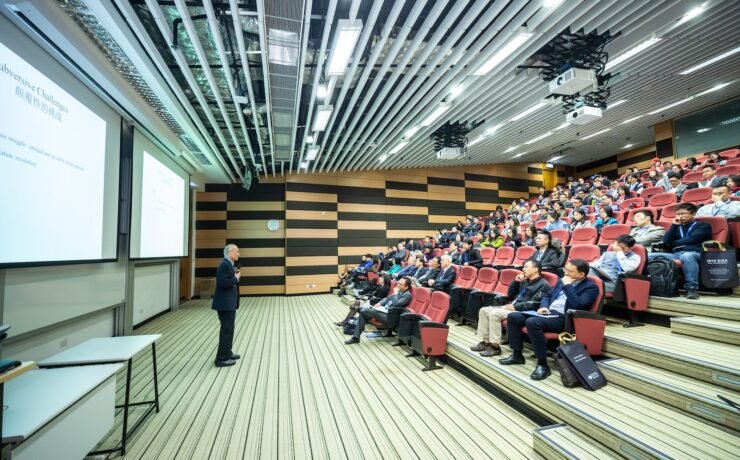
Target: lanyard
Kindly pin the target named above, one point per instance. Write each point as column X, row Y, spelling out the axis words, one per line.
column 691, row 227
column 718, row 208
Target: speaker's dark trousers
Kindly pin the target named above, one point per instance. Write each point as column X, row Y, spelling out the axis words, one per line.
column 225, row 335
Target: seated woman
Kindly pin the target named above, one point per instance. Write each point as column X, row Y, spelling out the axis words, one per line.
column 512, row 238
column 554, row 222
column 606, row 217
column 530, row 233
column 498, row 239
column 372, row 294
column 579, row 220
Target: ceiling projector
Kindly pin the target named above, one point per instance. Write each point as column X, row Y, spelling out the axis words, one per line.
column 450, row 153
column 574, row 81
column 583, row 115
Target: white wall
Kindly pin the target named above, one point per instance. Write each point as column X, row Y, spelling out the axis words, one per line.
column 151, row 291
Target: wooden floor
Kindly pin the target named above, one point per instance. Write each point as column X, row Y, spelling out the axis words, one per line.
column 299, row 392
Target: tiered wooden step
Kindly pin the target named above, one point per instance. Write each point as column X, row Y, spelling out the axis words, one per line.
column 626, row 423
column 560, row 441
column 687, row 394
column 727, row 307
column 706, row 360
column 721, row 330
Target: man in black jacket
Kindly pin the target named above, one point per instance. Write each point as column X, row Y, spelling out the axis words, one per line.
column 546, row 255
column 527, row 291
column 684, row 240
column 431, row 272
column 446, row 276
column 470, row 255
column 226, row 302
column 400, row 298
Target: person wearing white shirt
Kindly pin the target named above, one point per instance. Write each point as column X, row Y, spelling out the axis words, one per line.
column 619, row 260
column 711, row 179
column 721, row 205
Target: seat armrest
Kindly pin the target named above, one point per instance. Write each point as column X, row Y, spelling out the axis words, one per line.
column 586, row 314
column 635, row 276
column 433, row 324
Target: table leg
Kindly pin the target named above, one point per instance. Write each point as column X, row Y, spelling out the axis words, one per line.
column 125, row 407
column 156, row 385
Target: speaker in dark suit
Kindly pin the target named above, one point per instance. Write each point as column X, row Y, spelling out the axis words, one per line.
column 226, row 302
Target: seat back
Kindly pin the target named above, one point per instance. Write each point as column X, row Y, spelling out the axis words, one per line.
column 392, row 288
column 505, row 278
column 591, row 217
column 439, row 305
column 668, row 213
column 588, row 252
column 619, row 215
column 734, row 161
column 631, row 214
column 466, row 277
column 420, row 299
column 540, row 224
column 562, row 234
column 650, row 192
column 662, row 199
column 692, row 177
column 457, row 272
column 731, row 153
column 631, row 203
column 610, row 233
column 522, row 254
column 437, row 252
column 487, row 254
column 728, row 170
column 584, row 235
column 697, row 195
column 720, row 227
column 504, row 256
column 551, row 278
column 486, row 280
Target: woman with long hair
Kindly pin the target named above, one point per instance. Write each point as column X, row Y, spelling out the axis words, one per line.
column 530, row 233
column 579, row 219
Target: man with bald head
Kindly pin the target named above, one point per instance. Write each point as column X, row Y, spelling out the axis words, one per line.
column 226, row 302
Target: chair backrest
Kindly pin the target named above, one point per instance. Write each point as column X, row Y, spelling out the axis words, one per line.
column 457, row 272
column 668, row 212
column 610, row 233
column 596, row 306
column 588, row 252
column 662, row 199
column 487, row 254
column 619, row 215
column 504, row 256
column 650, row 192
column 692, row 177
column 566, row 219
column 505, row 278
column 475, row 238
column 466, row 277
column 540, row 224
column 437, row 252
column 562, row 234
column 592, row 217
column 486, row 280
column 420, row 299
column 631, row 214
column 720, row 227
column 640, row 251
column 631, row 203
column 734, row 161
column 393, row 286
column 584, row 235
column 731, row 153
column 728, row 170
column 551, row 278
column 666, row 224
column 522, row 254
column 439, row 304
column 697, row 195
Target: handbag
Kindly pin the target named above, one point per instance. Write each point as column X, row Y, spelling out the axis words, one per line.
column 567, row 374
column 584, row 368
column 718, row 266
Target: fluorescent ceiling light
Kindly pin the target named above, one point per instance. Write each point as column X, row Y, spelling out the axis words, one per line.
column 551, row 3
column 520, row 154
column 530, row 110
column 616, row 104
column 713, row 89
column 322, row 117
column 476, row 140
column 631, row 119
column 511, row 149
column 304, row 165
column 312, row 152
column 670, row 106
column 345, row 40
column 492, row 130
column 563, row 126
column 503, row 53
column 456, row 91
column 309, row 139
column 711, row 61
column 556, row 158
column 399, row 147
column 595, row 134
column 382, row 158
column 703, row 130
column 411, row 131
column 321, row 91
column 691, row 14
column 539, row 138
column 443, row 107
column 628, row 146
column 632, row 52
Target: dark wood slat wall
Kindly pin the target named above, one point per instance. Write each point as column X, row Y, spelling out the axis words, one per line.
column 330, row 220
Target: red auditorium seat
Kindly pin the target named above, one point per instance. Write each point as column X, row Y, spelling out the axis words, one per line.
column 734, row 161
column 592, row 218
column 631, row 214
column 475, row 238
column 692, row 177
column 466, row 277
column 664, row 223
column 487, row 254
column 505, row 278
column 456, row 268
column 636, row 288
column 610, row 233
column 697, row 195
column 649, row 192
column 504, row 256
column 619, row 215
column 735, row 232
column 562, row 234
column 584, row 235
column 551, row 278
column 587, row 252
column 419, row 300
column 662, row 199
column 438, row 252
column 428, row 331
column 566, row 219
column 481, row 292
column 631, row 203
column 461, row 288
column 540, row 224
column 731, row 153
column 668, row 213
column 728, row 170
column 522, row 254
column 720, row 227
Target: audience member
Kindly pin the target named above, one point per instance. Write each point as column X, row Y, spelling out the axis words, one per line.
column 530, row 233
column 734, row 184
column 579, row 220
column 400, row 298
column 446, row 275
column 546, row 254
column 372, row 294
column 606, row 217
column 675, row 185
column 721, row 204
column 620, row 259
column 554, row 222
column 645, row 232
column 470, row 255
column 711, row 179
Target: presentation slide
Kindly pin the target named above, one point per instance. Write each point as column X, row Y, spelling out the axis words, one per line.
column 162, row 210
column 52, row 169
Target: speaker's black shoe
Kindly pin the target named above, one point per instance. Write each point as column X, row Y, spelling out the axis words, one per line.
column 511, row 359
column 540, row 372
column 234, row 356
column 227, row 363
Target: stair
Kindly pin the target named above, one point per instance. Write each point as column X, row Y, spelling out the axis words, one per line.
column 348, row 299
column 706, row 360
column 721, row 330
column 560, row 441
column 684, row 393
column 727, row 307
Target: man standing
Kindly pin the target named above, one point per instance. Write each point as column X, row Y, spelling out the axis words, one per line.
column 226, row 302
column 400, row 298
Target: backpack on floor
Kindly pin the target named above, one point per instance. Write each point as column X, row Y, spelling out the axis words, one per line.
column 349, row 326
column 663, row 278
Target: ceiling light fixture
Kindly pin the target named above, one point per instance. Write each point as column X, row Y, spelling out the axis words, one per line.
column 709, row 62
column 382, row 158
column 631, row 119
column 304, row 165
column 530, row 110
column 556, row 158
column 309, row 139
column 476, row 140
column 323, row 114
column 312, row 152
column 321, row 91
column 713, row 89
column 563, row 126
column 703, row 130
column 443, row 107
column 628, row 146
column 691, row 14
column 399, row 147
column 670, row 106
column 595, row 134
column 551, row 3
column 520, row 154
column 632, row 52
column 411, row 131
column 616, row 104
column 348, row 32
column 511, row 149
column 539, row 138
column 456, row 91
column 503, row 53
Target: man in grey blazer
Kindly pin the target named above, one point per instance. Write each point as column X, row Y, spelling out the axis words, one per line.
column 226, row 302
column 400, row 298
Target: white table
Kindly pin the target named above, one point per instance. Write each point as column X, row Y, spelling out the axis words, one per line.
column 106, row 350
column 59, row 413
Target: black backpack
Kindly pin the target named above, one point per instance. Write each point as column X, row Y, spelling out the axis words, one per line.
column 663, row 278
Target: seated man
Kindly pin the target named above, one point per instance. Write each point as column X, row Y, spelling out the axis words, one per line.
column 410, row 268
column 684, row 240
column 645, row 232
column 546, row 254
column 350, row 277
column 400, row 298
column 427, row 273
column 528, row 289
column 674, row 184
column 446, row 275
column 721, row 204
column 470, row 255
column 619, row 260
column 573, row 292
column 711, row 179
